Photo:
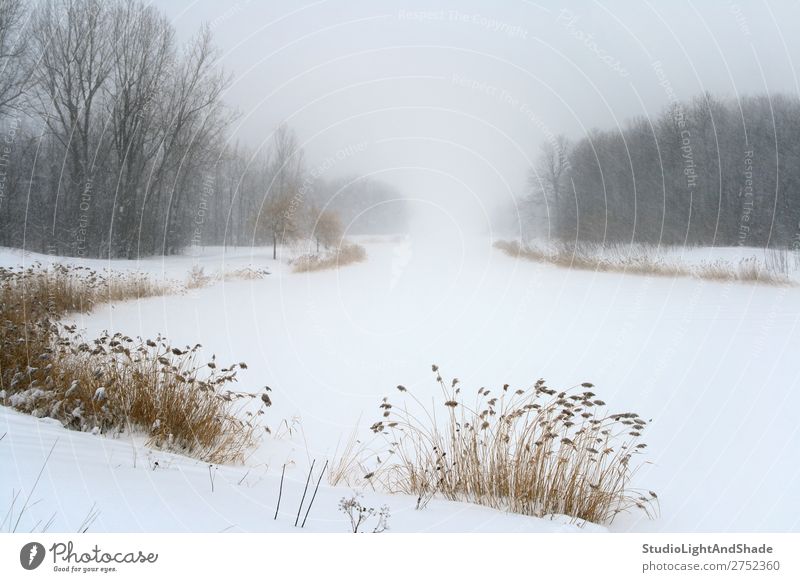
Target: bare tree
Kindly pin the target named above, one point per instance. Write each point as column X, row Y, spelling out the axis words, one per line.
column 195, row 121
column 131, row 128
column 546, row 183
column 13, row 45
column 71, row 58
column 143, row 56
column 328, row 230
column 280, row 214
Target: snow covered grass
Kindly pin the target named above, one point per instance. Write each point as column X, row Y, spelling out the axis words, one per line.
column 243, row 274
column 642, row 260
column 118, row 485
column 63, row 288
column 586, row 257
column 706, row 360
column 345, row 254
column 747, row 270
column 535, row 452
column 197, row 277
column 112, row 383
column 119, row 384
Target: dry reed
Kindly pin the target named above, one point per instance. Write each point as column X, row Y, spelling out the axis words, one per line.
column 536, row 451
column 113, row 383
column 345, row 254
column 617, row 259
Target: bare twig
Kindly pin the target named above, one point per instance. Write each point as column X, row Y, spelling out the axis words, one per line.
column 35, row 484
column 10, row 513
column 280, row 491
column 49, row 523
column 211, row 476
column 89, row 519
column 313, row 497
column 308, row 479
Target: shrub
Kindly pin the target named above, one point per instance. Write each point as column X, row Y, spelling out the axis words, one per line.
column 113, row 383
column 590, row 257
column 358, row 514
column 244, row 274
column 197, row 278
column 536, row 451
column 59, row 289
column 619, row 259
column 346, row 254
column 748, row 270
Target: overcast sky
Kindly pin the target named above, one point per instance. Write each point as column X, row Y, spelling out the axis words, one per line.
column 450, row 100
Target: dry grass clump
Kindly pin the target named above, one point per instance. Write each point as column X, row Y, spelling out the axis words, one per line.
column 347, row 467
column 115, row 384
column 618, row 259
column 244, row 274
column 65, row 288
column 536, row 452
column 32, row 300
column 345, row 254
column 197, row 277
column 112, row 384
column 591, row 257
column 748, row 270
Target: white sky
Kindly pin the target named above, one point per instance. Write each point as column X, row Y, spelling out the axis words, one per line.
column 451, row 104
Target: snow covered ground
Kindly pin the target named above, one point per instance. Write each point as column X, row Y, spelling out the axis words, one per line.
column 713, row 364
column 134, row 489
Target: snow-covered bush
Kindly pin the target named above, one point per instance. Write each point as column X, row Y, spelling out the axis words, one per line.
column 345, row 254
column 643, row 260
column 197, row 278
column 747, row 270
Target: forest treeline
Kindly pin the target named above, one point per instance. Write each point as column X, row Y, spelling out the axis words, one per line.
column 705, row 172
column 115, row 142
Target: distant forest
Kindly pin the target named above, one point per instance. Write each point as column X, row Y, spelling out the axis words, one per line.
column 708, row 172
column 115, row 142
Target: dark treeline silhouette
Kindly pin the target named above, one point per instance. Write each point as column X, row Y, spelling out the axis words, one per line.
column 707, row 172
column 114, row 139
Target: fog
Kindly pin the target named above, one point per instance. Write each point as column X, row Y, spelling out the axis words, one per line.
column 450, row 101
column 234, row 235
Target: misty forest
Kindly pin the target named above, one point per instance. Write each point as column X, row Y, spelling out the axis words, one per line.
column 457, row 267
